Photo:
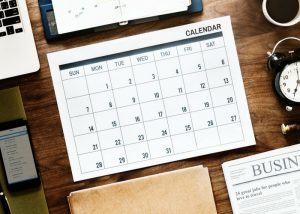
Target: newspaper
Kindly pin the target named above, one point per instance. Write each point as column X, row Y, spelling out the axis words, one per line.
column 267, row 183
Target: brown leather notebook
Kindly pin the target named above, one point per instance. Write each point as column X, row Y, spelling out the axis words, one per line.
column 181, row 191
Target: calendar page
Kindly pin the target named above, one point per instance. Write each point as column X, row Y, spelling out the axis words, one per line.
column 150, row 99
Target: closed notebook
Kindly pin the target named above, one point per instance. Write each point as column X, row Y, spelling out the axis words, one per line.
column 181, row 191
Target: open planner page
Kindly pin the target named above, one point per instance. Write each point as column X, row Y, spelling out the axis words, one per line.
column 75, row 15
column 137, row 9
column 152, row 98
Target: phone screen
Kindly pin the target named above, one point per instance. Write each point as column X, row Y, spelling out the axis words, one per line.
column 17, row 155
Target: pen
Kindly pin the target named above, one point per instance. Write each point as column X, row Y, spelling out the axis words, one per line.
column 4, row 202
column 290, row 127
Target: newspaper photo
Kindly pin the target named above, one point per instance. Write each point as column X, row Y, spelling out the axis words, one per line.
column 267, row 183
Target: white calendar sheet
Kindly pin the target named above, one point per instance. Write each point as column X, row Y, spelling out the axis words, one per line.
column 152, row 98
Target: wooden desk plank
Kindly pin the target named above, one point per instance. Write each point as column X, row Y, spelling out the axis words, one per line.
column 254, row 37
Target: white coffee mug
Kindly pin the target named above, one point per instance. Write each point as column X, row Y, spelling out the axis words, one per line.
column 268, row 17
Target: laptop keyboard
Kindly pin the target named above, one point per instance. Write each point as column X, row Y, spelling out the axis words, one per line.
column 10, row 21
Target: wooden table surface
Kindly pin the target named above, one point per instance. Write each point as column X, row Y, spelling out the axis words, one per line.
column 254, row 36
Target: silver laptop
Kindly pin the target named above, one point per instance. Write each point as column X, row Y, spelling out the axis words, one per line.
column 18, row 53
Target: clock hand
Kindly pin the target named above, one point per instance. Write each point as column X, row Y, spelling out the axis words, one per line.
column 298, row 81
column 296, row 89
column 297, row 71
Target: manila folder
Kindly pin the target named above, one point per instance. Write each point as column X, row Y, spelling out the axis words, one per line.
column 181, row 191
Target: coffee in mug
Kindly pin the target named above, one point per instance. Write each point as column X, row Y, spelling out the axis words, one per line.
column 282, row 12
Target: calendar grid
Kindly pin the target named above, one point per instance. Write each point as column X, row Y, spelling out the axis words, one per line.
column 93, row 113
column 234, row 88
column 116, row 107
column 151, row 82
column 141, row 112
column 153, row 101
column 161, row 98
column 189, row 111
column 65, row 98
column 168, row 125
column 153, row 119
column 158, row 120
column 117, row 115
column 186, row 152
column 238, row 122
column 211, row 100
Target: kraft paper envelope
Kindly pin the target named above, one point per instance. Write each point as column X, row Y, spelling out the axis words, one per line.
column 31, row 201
column 181, row 191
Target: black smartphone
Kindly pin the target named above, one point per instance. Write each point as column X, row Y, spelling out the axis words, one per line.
column 17, row 155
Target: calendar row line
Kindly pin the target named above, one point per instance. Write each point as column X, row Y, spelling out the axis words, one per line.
column 164, row 132
column 174, row 124
column 185, row 110
column 88, row 143
column 180, row 144
column 166, row 88
column 106, row 86
column 107, row 101
column 166, row 54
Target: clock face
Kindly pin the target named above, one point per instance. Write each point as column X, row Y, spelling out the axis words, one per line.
column 289, row 81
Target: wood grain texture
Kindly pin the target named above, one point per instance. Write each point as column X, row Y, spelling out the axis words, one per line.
column 254, row 37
